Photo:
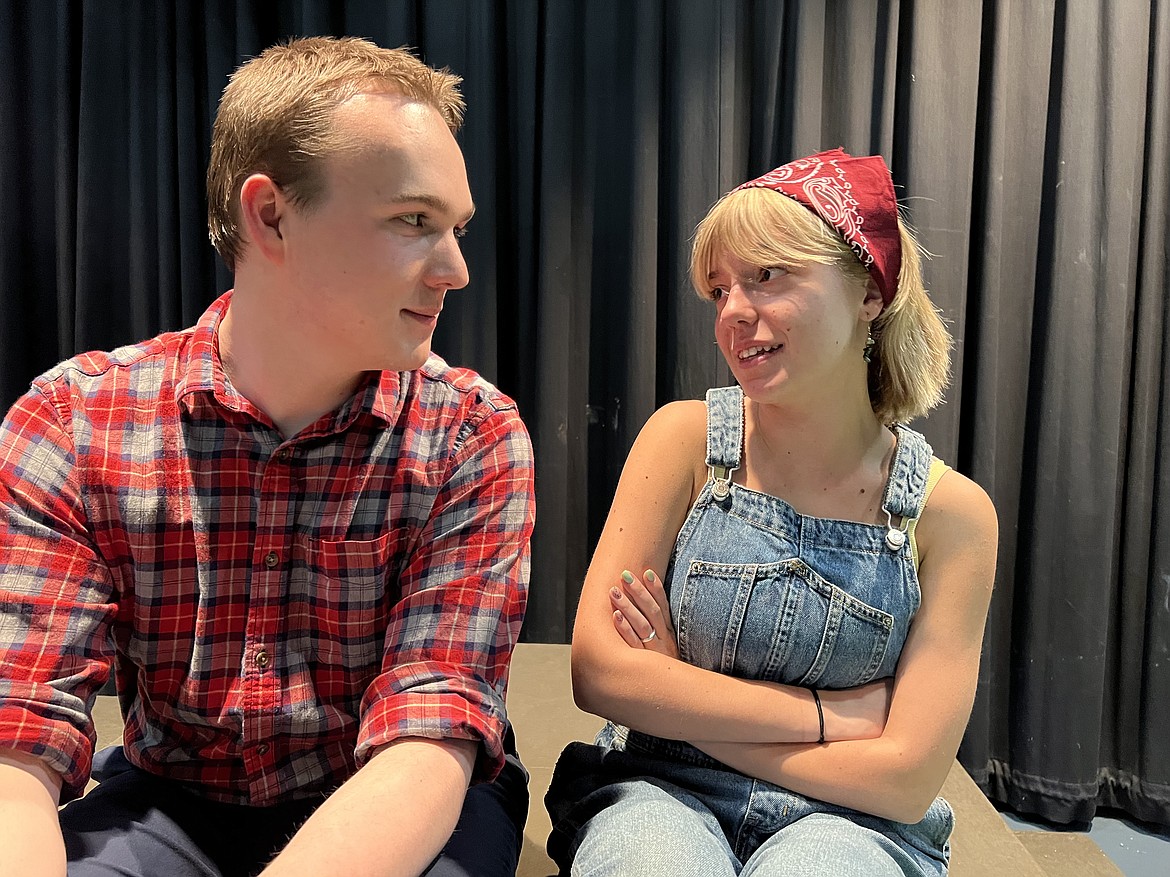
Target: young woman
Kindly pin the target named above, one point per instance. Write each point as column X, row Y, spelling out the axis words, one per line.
column 788, row 697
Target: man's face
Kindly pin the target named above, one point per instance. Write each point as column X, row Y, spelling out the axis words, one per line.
column 369, row 264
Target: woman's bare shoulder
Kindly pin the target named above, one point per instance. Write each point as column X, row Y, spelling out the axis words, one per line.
column 957, row 495
column 959, row 518
column 673, row 444
column 685, row 420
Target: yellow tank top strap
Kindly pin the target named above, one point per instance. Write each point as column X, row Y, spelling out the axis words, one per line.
column 937, row 469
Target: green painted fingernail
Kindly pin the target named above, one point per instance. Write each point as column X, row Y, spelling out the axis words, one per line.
column 628, row 577
column 649, row 575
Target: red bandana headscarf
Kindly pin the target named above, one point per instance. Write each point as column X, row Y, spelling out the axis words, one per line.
column 853, row 194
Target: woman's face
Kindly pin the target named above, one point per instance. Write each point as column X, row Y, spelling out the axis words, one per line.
column 791, row 334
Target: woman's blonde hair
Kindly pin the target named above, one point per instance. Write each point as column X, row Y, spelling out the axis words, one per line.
column 910, row 363
column 276, row 117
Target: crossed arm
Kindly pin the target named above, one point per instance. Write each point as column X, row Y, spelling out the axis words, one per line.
column 892, row 767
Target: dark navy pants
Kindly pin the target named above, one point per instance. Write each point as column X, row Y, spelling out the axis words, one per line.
column 134, row 824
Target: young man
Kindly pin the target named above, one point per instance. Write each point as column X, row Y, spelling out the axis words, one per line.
column 299, row 538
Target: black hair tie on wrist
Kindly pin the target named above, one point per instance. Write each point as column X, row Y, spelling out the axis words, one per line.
column 820, row 714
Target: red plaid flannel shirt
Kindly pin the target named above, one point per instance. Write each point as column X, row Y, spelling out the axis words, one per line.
column 274, row 610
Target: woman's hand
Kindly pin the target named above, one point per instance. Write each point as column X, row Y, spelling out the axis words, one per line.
column 857, row 713
column 641, row 613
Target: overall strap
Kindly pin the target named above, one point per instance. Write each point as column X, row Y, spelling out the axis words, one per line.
column 724, row 436
column 937, row 470
column 905, row 493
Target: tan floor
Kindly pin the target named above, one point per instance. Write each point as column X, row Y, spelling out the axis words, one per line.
column 1054, row 851
column 541, row 707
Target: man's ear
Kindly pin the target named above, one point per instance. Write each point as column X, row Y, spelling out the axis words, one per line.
column 263, row 207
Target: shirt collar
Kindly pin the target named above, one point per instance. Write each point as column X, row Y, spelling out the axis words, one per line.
column 377, row 394
column 384, row 397
column 202, row 370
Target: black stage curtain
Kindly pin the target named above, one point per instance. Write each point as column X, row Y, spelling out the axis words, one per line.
column 1031, row 142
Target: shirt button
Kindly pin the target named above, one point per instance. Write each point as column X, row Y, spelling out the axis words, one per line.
column 283, row 455
column 271, row 559
column 262, row 659
column 262, row 749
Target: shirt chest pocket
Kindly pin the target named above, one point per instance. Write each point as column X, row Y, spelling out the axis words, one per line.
column 342, row 604
column 781, row 622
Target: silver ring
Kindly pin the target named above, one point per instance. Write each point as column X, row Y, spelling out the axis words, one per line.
column 653, row 636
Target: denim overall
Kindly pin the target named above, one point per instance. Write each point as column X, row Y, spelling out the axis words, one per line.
column 762, row 592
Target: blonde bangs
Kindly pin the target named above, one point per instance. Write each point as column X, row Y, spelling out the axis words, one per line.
column 763, row 228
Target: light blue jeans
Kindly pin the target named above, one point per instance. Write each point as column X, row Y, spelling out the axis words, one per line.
column 656, row 832
column 689, row 816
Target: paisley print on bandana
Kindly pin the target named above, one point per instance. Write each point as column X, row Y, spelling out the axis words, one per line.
column 854, row 195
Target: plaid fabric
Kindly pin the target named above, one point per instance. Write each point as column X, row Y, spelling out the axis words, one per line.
column 274, row 610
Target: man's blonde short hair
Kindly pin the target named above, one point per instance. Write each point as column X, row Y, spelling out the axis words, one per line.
column 276, row 114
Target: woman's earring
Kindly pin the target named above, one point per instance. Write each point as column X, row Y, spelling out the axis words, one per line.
column 867, row 351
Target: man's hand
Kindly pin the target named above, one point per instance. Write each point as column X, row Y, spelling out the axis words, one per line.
column 390, row 819
column 30, row 835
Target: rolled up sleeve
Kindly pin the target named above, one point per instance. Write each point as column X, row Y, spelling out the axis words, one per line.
column 463, row 593
column 55, row 597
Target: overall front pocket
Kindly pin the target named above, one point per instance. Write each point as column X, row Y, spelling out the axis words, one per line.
column 780, row 622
